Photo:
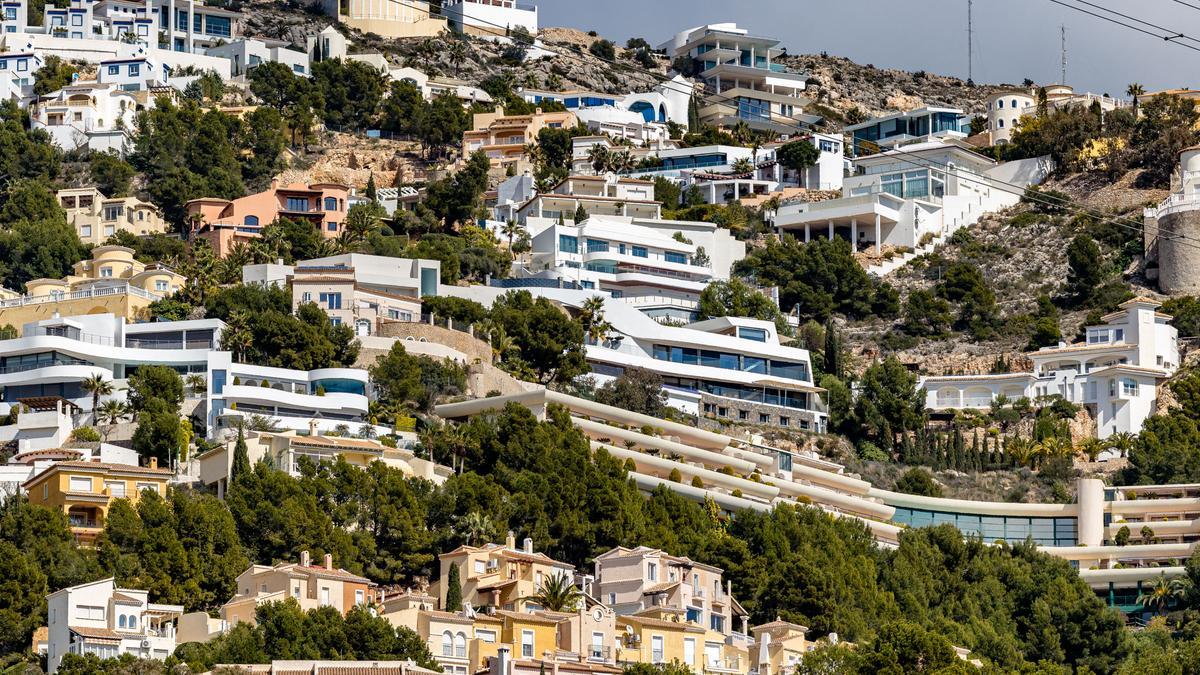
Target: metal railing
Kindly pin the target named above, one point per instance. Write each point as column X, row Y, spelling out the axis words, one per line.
column 25, row 367
column 123, row 289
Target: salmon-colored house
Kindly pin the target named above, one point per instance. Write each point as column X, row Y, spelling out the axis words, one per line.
column 224, row 223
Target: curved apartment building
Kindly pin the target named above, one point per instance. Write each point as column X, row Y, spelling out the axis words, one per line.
column 743, row 474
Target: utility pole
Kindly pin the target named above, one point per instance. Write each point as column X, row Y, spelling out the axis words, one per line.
column 1063, row 28
column 970, row 46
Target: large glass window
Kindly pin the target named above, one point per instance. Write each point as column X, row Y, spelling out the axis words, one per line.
column 297, row 203
column 674, row 257
column 217, row 25
column 1043, row 531
column 331, row 204
column 597, row 246
column 568, row 244
column 640, row 252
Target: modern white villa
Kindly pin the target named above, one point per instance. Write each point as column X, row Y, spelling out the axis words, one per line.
column 667, row 102
column 913, row 126
column 745, row 82
column 1114, row 374
column 490, row 17
column 908, row 199
column 92, row 115
column 659, row 266
column 56, row 355
column 725, row 368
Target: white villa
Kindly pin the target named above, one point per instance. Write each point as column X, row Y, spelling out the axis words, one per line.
column 1115, row 374
column 490, row 17
column 99, row 618
column 94, row 115
column 912, row 198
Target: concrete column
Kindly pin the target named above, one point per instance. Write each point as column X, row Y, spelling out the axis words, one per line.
column 878, row 229
column 807, row 232
column 712, row 191
column 1091, row 515
column 831, row 230
column 854, row 234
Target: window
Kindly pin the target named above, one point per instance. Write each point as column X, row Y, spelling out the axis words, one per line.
column 527, row 643
column 1001, row 123
column 743, row 414
column 640, row 252
column 324, row 596
column 121, row 621
column 332, row 226
column 76, row 20
column 488, row 636
column 675, row 257
column 652, row 571
column 160, row 286
column 784, row 421
column 297, row 204
column 85, row 231
column 106, row 272
column 250, row 221
column 480, row 566
column 568, row 244
column 331, row 204
column 360, row 596
column 297, row 68
column 1119, row 335
column 81, row 484
column 134, row 69
column 133, row 622
column 460, row 645
column 447, row 644
column 689, row 651
column 153, row 487
column 116, row 488
column 331, row 300
column 114, row 70
column 90, row 613
column 597, row 246
column 612, row 598
column 756, row 334
column 597, row 650
column 656, row 649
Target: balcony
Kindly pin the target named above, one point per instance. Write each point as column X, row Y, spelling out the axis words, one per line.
column 599, row 653
column 121, row 289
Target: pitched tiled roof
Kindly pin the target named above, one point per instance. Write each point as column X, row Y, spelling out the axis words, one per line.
column 531, row 618
column 97, row 633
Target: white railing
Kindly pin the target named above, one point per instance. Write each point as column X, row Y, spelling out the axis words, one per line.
column 1174, row 204
column 658, row 300
column 123, row 289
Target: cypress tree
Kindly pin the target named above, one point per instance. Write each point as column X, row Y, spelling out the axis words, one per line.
column 241, row 458
column 833, row 350
column 453, row 591
column 956, row 457
column 580, row 214
column 372, row 194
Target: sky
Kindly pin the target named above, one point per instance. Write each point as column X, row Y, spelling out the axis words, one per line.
column 1013, row 39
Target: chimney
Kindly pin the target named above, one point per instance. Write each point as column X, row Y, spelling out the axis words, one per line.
column 329, row 561
column 153, row 462
column 312, row 427
column 511, row 541
column 502, row 661
column 528, row 545
column 305, row 559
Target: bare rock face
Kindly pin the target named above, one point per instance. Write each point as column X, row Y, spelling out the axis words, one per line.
column 903, row 102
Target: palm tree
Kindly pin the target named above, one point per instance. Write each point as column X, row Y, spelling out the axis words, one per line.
column 457, row 54
column 1019, row 449
column 110, row 413
column 598, row 156
column 1091, row 448
column 1134, row 90
column 591, row 317
column 361, row 221
column 196, row 383
column 557, row 594
column 741, row 132
column 237, row 337
column 502, row 344
column 341, row 430
column 1122, row 442
column 742, row 165
column 755, row 146
column 367, row 431
column 1162, row 593
column 510, row 229
column 477, row 527
column 620, row 161
column 1050, row 448
column 97, row 386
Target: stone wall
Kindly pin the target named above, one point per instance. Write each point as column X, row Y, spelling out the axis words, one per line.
column 477, row 350
column 1178, row 255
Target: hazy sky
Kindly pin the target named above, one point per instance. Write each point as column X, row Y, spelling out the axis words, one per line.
column 1014, row 39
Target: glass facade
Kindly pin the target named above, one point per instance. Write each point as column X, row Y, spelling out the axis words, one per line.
column 1012, row 529
column 674, row 257
column 568, row 244
column 340, row 386
column 597, row 246
column 749, row 364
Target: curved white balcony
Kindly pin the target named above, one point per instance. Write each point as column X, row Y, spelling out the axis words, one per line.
column 53, row 374
column 334, row 403
column 94, row 349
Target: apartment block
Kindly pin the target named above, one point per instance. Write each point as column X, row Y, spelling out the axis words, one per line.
column 355, row 289
column 386, row 18
column 503, row 137
column 1115, row 373
column 96, row 217
column 101, row 619
column 500, row 576
column 226, row 223
column 632, row 580
column 311, row 586
column 84, row 491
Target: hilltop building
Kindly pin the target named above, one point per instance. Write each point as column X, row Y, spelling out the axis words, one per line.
column 503, row 138
column 1171, row 229
column 1006, row 108
column 225, row 223
column 84, row 491
column 101, row 619
column 96, row 217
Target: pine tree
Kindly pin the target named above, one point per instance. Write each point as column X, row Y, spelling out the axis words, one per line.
column 241, row 458
column 453, row 591
column 372, row 194
column 580, row 214
column 833, row 350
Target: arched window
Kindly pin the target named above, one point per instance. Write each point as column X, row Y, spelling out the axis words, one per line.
column 331, row 204
column 460, row 645
column 132, row 621
column 121, row 621
column 1001, row 123
column 447, row 644
column 251, row 221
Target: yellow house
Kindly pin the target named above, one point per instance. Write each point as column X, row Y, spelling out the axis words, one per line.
column 532, row 636
column 779, row 645
column 84, row 491
column 660, row 635
column 112, row 282
column 96, row 217
column 500, row 576
column 503, row 138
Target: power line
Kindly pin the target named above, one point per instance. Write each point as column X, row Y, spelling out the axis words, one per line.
column 924, row 162
column 1170, row 37
column 1114, row 12
column 1186, row 4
